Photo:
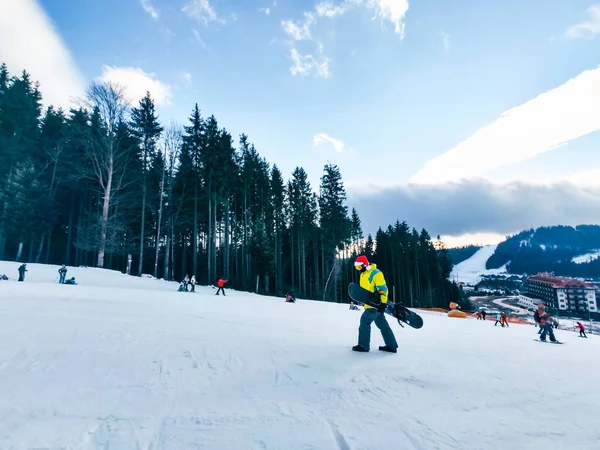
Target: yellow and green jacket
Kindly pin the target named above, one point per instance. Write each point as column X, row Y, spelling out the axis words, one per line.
column 373, row 280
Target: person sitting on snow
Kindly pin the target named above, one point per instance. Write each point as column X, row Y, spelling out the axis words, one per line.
column 3, row 277
column 182, row 288
column 71, row 281
column 288, row 298
column 353, row 306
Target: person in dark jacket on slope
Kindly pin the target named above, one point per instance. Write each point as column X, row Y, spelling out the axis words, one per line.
column 63, row 273
column 22, row 270
column 546, row 322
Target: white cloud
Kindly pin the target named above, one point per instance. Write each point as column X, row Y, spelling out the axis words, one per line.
column 187, row 77
column 309, row 65
column 392, row 10
column 328, row 9
column 201, row 10
column 199, row 39
column 301, row 30
column 445, row 40
column 151, row 10
column 28, row 41
column 267, row 11
column 324, row 138
column 136, row 83
column 472, row 238
column 546, row 122
column 475, row 206
column 588, row 178
column 586, row 29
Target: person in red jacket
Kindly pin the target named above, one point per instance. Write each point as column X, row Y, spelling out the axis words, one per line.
column 221, row 284
column 581, row 330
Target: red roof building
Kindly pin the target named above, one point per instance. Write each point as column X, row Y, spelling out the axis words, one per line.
column 564, row 294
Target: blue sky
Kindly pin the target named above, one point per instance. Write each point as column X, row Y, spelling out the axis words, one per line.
column 406, row 96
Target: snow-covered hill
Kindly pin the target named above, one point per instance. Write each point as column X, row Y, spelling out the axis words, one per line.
column 471, row 270
column 582, row 259
column 126, row 363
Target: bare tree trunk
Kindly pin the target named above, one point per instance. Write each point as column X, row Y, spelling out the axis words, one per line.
column 293, row 259
column 304, row 267
column 210, row 232
column 105, row 210
column 316, row 261
column 227, row 232
column 31, row 247
column 172, row 263
column 214, row 243
column 183, row 259
column 19, row 257
column 195, row 237
column 245, row 242
column 2, row 245
column 257, row 282
column 166, row 260
column 143, row 227
column 48, row 246
column 38, row 256
column 160, row 213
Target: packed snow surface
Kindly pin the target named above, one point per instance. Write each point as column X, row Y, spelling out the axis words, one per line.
column 471, row 270
column 129, row 363
column 582, row 259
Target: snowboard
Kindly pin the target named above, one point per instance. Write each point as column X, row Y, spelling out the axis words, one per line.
column 549, row 342
column 396, row 310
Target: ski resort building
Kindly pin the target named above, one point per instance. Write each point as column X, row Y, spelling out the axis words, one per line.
column 563, row 294
column 528, row 302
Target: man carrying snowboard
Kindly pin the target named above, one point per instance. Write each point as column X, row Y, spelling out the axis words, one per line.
column 372, row 279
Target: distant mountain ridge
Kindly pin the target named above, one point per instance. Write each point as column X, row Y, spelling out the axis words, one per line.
column 564, row 250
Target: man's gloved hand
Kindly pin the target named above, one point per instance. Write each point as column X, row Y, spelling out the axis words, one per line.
column 381, row 308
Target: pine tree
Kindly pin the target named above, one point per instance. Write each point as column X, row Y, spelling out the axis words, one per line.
column 194, row 144
column 302, row 206
column 334, row 223
column 278, row 202
column 147, row 129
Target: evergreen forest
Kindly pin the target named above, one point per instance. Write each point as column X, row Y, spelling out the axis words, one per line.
column 108, row 184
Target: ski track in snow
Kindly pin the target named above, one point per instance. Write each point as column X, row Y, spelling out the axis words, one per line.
column 108, row 365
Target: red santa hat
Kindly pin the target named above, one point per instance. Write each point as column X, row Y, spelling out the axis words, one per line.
column 362, row 261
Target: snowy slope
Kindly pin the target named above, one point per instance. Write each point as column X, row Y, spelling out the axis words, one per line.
column 582, row 259
column 470, row 270
column 83, row 275
column 97, row 367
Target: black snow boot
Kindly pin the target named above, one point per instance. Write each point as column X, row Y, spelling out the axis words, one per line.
column 385, row 348
column 358, row 348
